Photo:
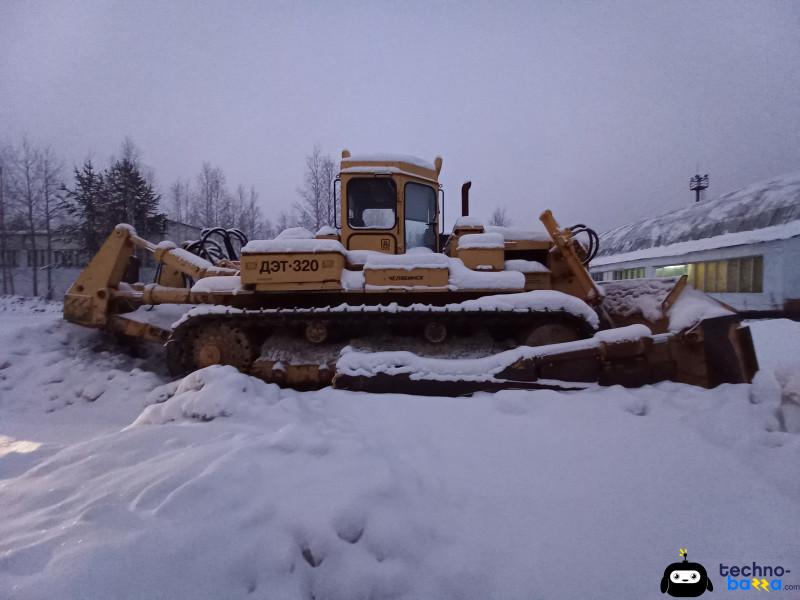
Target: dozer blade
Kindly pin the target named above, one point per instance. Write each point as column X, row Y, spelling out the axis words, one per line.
column 716, row 351
column 645, row 301
column 657, row 330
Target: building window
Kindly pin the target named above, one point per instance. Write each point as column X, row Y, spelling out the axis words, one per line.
column 41, row 258
column 598, row 275
column 672, row 271
column 65, row 258
column 635, row 273
column 735, row 275
column 10, row 259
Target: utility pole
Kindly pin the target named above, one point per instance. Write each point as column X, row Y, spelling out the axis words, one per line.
column 698, row 183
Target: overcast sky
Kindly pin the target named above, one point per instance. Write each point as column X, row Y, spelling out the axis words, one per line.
column 598, row 110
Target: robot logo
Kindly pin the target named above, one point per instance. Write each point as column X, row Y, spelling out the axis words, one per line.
column 685, row 579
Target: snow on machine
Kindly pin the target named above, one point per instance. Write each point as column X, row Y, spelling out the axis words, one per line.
column 388, row 302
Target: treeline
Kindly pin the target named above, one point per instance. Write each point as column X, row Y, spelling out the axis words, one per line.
column 208, row 201
column 40, row 206
column 43, row 200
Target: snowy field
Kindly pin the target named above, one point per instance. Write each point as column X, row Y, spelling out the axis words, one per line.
column 115, row 483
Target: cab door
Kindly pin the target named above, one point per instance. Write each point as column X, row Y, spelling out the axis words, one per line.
column 420, row 216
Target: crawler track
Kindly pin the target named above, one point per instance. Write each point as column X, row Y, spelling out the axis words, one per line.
column 242, row 338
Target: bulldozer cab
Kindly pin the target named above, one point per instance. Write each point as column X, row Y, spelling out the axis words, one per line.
column 389, row 203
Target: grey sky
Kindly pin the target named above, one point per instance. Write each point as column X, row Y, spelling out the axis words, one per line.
column 598, row 110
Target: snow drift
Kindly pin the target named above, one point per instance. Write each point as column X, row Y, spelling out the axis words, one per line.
column 221, row 486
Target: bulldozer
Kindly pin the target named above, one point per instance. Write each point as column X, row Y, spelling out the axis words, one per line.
column 388, row 301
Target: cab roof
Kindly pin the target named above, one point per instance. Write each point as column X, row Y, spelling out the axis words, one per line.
column 390, row 163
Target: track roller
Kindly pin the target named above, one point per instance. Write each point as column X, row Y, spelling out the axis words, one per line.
column 317, row 332
column 435, row 332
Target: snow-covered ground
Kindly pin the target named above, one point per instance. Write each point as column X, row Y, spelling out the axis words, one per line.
column 115, row 483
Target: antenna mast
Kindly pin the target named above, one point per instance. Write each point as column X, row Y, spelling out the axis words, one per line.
column 698, row 183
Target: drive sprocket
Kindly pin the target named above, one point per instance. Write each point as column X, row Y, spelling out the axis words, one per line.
column 211, row 342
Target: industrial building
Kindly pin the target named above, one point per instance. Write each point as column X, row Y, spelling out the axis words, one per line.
column 742, row 248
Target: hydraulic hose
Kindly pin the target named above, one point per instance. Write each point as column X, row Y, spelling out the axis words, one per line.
column 593, row 245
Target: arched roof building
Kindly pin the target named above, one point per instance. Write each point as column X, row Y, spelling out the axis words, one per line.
column 743, row 247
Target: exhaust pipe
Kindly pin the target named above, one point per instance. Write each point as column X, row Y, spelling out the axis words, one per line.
column 465, row 198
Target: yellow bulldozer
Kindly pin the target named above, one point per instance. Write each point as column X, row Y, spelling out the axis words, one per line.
column 389, row 301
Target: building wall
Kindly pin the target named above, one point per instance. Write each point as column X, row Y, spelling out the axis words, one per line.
column 179, row 232
column 791, row 272
column 781, row 276
column 62, row 279
column 66, row 261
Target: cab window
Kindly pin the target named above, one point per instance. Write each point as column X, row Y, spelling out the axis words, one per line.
column 420, row 208
column 371, row 203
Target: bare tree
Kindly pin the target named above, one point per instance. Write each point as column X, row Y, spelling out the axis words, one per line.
column 263, row 228
column 176, row 210
column 210, row 204
column 500, row 217
column 227, row 210
column 211, row 196
column 51, row 169
column 330, row 195
column 129, row 151
column 238, row 206
column 249, row 214
column 285, row 221
column 27, row 166
column 179, row 194
column 318, row 204
column 5, row 255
